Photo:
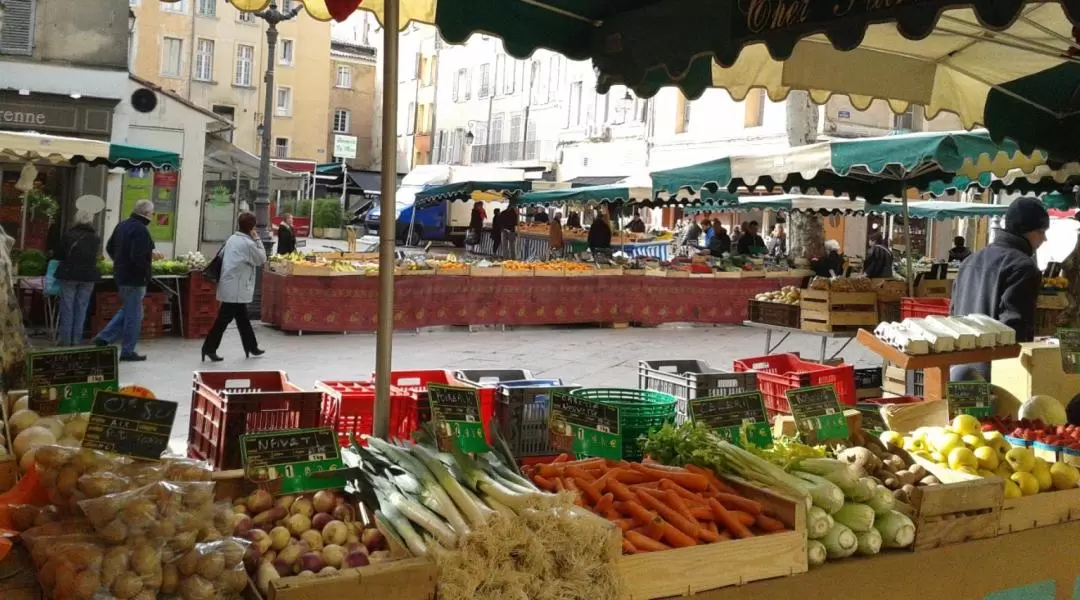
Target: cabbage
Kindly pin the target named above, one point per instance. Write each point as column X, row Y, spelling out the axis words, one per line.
column 1044, row 408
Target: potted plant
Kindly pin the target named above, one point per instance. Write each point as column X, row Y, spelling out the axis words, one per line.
column 327, row 218
column 41, row 211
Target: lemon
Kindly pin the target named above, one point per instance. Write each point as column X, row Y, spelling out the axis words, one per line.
column 1029, row 486
column 1042, row 475
column 973, row 441
column 1020, row 459
column 988, row 458
column 962, row 457
column 985, row 473
column 1011, row 489
column 968, row 470
column 966, row 425
column 1003, row 470
column 892, row 437
column 946, row 443
column 1064, row 476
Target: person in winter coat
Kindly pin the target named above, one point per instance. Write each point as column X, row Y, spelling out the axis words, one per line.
column 476, row 225
column 1003, row 280
column 879, row 260
column 693, row 234
column 720, row 242
column 832, row 264
column 76, row 274
column 555, row 236
column 636, row 225
column 751, row 242
column 496, row 231
column 132, row 250
column 286, row 235
column 959, row 251
column 600, row 234
column 241, row 257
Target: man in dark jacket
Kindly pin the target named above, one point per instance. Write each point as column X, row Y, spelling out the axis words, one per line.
column 720, row 242
column 1003, row 279
column 132, row 250
column 286, row 235
column 879, row 259
column 751, row 242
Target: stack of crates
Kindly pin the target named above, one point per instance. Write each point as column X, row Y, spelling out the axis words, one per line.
column 778, row 373
column 348, row 407
column 107, row 304
column 688, row 380
column 521, row 416
column 487, row 381
column 200, row 305
column 640, row 411
column 228, row 404
column 416, row 382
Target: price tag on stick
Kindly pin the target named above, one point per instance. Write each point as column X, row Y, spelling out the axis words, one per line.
column 817, row 413
column 289, row 460
column 456, row 412
column 130, row 425
column 584, row 427
column 65, row 381
column 732, row 416
column 969, row 398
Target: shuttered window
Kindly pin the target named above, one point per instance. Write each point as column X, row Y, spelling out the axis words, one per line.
column 17, row 34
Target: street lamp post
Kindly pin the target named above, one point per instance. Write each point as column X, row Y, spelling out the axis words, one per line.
column 272, row 16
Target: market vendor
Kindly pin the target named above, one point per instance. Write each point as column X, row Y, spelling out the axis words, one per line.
column 636, row 225
column 959, row 251
column 720, row 242
column 1003, row 280
column 555, row 236
column 751, row 241
column 832, row 264
column 540, row 215
column 879, row 259
column 693, row 234
column 600, row 234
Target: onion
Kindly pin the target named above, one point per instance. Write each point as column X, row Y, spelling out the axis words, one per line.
column 32, row 437
column 335, row 532
column 53, row 425
column 357, row 559
column 22, row 419
column 323, row 501
column 22, row 403
column 312, row 561
column 320, row 520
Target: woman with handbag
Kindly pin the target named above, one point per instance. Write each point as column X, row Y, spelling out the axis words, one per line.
column 76, row 274
column 237, row 262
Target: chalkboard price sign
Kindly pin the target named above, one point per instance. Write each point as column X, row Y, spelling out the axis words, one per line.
column 969, row 398
column 65, row 381
column 817, row 412
column 130, row 425
column 872, row 421
column 456, row 412
column 1069, row 341
column 732, row 416
column 584, row 427
column 290, row 459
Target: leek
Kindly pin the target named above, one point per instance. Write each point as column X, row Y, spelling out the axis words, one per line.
column 420, row 515
column 486, row 485
column 815, row 553
column 869, row 542
column 897, row 531
column 857, row 517
column 824, row 493
column 433, row 488
column 818, row 522
column 840, row 542
column 883, row 500
column 452, row 490
column 837, row 472
column 402, row 527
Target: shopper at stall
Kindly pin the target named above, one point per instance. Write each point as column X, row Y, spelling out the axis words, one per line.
column 555, row 236
column 751, row 242
column 241, row 257
column 476, row 226
column 777, row 244
column 707, row 229
column 76, row 274
column 693, row 234
column 830, row 265
column 540, row 215
column 573, row 220
column 1003, row 280
column 132, row 251
column 720, row 242
column 496, row 231
column 286, row 235
column 600, row 235
column 511, row 218
column 959, row 251
column 738, row 233
column 879, row 259
column 636, row 225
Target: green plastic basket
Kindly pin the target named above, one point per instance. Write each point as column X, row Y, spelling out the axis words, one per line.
column 640, row 411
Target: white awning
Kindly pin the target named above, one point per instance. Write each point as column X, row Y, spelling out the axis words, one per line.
column 228, row 159
column 25, row 146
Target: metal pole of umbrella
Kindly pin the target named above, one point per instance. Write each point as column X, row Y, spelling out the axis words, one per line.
column 907, row 238
column 384, row 334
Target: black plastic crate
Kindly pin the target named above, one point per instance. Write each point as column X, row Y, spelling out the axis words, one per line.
column 521, row 413
column 691, row 379
column 871, row 377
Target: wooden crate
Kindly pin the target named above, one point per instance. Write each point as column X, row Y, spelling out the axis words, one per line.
column 688, row 571
column 407, row 579
column 560, row 272
column 1053, row 301
column 1040, row 510
column 451, row 272
column 957, row 512
column 728, row 275
column 414, row 272
column 824, row 310
column 778, row 274
column 655, row 272
column 773, row 313
column 752, row 274
column 608, row 272
column 678, row 274
column 476, row 271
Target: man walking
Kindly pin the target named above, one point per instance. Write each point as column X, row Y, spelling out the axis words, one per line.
column 132, row 251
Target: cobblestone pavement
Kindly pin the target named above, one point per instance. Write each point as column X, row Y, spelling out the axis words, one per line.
column 587, row 356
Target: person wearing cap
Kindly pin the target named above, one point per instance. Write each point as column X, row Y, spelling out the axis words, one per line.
column 1003, row 279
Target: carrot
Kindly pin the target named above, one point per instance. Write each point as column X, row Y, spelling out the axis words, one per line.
column 590, row 494
column 559, row 485
column 579, row 473
column 604, row 503
column 702, row 513
column 690, row 481
column 585, row 463
column 564, row 457
column 676, row 502
column 648, row 485
column 650, row 491
column 724, row 535
column 714, row 481
column 643, row 543
column 624, row 524
column 653, row 530
column 690, row 528
column 544, row 483
column 627, row 547
column 689, row 497
column 568, row 483
column 553, row 470
column 769, row 524
column 611, row 514
column 707, row 536
column 736, row 502
column 642, row 530
column 675, row 537
column 638, row 513
column 628, row 476
column 744, row 517
column 619, row 490
column 729, row 520
column 711, row 525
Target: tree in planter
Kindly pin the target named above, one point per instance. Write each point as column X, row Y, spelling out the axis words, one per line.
column 806, row 232
column 41, row 206
column 327, row 214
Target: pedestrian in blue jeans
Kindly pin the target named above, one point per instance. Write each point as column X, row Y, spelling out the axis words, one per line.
column 132, row 251
column 76, row 275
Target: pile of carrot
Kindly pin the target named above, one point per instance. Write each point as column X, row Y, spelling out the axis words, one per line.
column 657, row 507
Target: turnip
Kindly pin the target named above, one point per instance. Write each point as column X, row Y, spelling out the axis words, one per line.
column 312, row 561
column 335, row 532
column 357, row 559
column 344, row 512
column 302, row 506
column 290, row 553
column 379, row 556
column 323, row 501
column 268, row 517
column 240, row 524
column 313, row 539
column 285, row 502
column 260, row 540
column 279, row 537
column 373, row 539
column 320, row 520
column 305, row 574
column 333, row 555
column 298, row 523
column 259, row 501
column 283, row 568
column 328, row 572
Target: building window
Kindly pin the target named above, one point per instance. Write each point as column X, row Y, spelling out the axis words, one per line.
column 285, row 55
column 485, row 81
column 538, row 86
column 245, row 17
column 341, row 120
column 500, row 75
column 905, row 121
column 281, row 147
column 18, row 28
column 410, row 118
column 207, row 8
column 171, row 56
column 245, row 64
column 228, row 113
column 495, row 140
column 462, row 87
column 344, row 77
column 682, row 115
column 179, row 7
column 204, row 60
column 555, row 74
column 284, row 101
column 573, row 107
column 754, row 105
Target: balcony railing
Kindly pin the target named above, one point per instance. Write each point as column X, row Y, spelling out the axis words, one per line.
column 543, row 150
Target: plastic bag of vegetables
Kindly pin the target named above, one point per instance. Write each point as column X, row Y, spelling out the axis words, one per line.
column 210, row 571
column 170, row 513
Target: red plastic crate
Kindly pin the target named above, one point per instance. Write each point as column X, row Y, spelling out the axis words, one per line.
column 778, row 373
column 349, row 407
column 917, row 308
column 416, row 382
column 228, row 404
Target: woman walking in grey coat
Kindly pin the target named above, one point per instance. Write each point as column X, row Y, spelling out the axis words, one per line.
column 241, row 257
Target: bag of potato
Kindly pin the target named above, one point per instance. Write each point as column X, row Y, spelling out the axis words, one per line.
column 210, row 571
column 165, row 512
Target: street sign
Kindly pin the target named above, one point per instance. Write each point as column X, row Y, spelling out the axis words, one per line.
column 344, row 146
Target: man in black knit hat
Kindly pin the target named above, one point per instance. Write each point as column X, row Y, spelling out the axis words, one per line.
column 1003, row 280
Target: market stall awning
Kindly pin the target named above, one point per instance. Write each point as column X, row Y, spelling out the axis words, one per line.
column 28, row 146
column 595, row 180
column 937, row 210
column 127, row 155
column 1041, row 109
column 596, row 194
column 228, row 160
column 478, row 191
column 871, row 168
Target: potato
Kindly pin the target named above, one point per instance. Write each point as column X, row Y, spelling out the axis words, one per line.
column 211, row 566
column 196, row 588
column 126, row 586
